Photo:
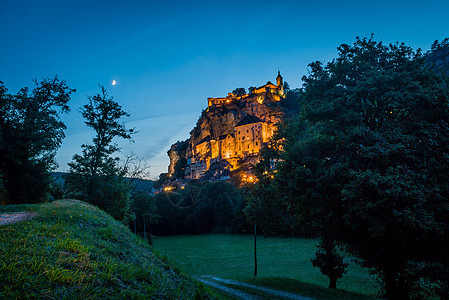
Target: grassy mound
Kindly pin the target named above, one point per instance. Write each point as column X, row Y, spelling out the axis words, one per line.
column 73, row 250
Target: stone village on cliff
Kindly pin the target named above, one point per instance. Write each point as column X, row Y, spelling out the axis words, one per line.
column 229, row 135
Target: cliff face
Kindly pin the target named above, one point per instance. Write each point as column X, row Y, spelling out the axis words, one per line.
column 218, row 121
column 177, row 155
column 232, row 129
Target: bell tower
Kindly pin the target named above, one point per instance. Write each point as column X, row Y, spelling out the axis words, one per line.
column 280, row 83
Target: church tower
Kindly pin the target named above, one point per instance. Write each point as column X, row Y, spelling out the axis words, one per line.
column 280, row 84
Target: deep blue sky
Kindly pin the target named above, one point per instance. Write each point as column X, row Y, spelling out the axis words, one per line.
column 169, row 56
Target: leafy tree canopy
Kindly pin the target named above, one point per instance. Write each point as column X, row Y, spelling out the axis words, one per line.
column 30, row 133
column 95, row 176
column 366, row 161
column 438, row 56
column 239, row 91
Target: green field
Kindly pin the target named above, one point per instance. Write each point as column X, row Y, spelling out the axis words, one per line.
column 231, row 256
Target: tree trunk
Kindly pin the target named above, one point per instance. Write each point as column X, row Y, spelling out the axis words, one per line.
column 394, row 287
column 332, row 282
column 255, row 251
column 150, row 241
column 144, row 231
column 390, row 285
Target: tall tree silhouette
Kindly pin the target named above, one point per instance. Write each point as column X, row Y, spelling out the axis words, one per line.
column 30, row 133
column 95, row 175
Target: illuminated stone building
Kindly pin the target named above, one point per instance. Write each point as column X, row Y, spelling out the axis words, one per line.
column 232, row 130
column 260, row 94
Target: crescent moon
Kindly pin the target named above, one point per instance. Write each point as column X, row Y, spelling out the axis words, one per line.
column 114, row 82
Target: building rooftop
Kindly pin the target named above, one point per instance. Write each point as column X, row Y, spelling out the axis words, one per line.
column 224, row 136
column 248, row 120
column 206, row 139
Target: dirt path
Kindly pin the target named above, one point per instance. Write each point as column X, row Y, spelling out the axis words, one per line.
column 218, row 283
column 233, row 292
column 10, row 218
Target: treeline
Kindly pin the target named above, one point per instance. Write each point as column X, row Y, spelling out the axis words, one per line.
column 365, row 165
column 201, row 207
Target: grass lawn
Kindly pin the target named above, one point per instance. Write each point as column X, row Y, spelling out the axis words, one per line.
column 231, row 256
column 72, row 250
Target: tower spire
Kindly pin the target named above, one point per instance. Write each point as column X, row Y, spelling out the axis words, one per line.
column 280, row 83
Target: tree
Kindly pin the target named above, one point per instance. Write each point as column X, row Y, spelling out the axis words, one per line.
column 310, row 190
column 95, row 176
column 264, row 206
column 30, row 133
column 286, row 87
column 367, row 162
column 145, row 209
column 329, row 261
column 239, row 91
column 438, row 56
column 251, row 89
column 291, row 100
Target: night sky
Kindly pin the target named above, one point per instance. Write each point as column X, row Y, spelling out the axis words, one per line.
column 167, row 57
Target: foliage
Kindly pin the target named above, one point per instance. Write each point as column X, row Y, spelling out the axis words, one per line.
column 291, row 100
column 366, row 162
column 329, row 261
column 239, row 91
column 144, row 207
column 56, row 189
column 73, row 250
column 30, row 133
column 438, row 56
column 95, row 176
column 200, row 208
column 264, row 206
column 286, row 87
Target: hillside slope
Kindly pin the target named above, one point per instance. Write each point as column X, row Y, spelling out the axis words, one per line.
column 71, row 249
